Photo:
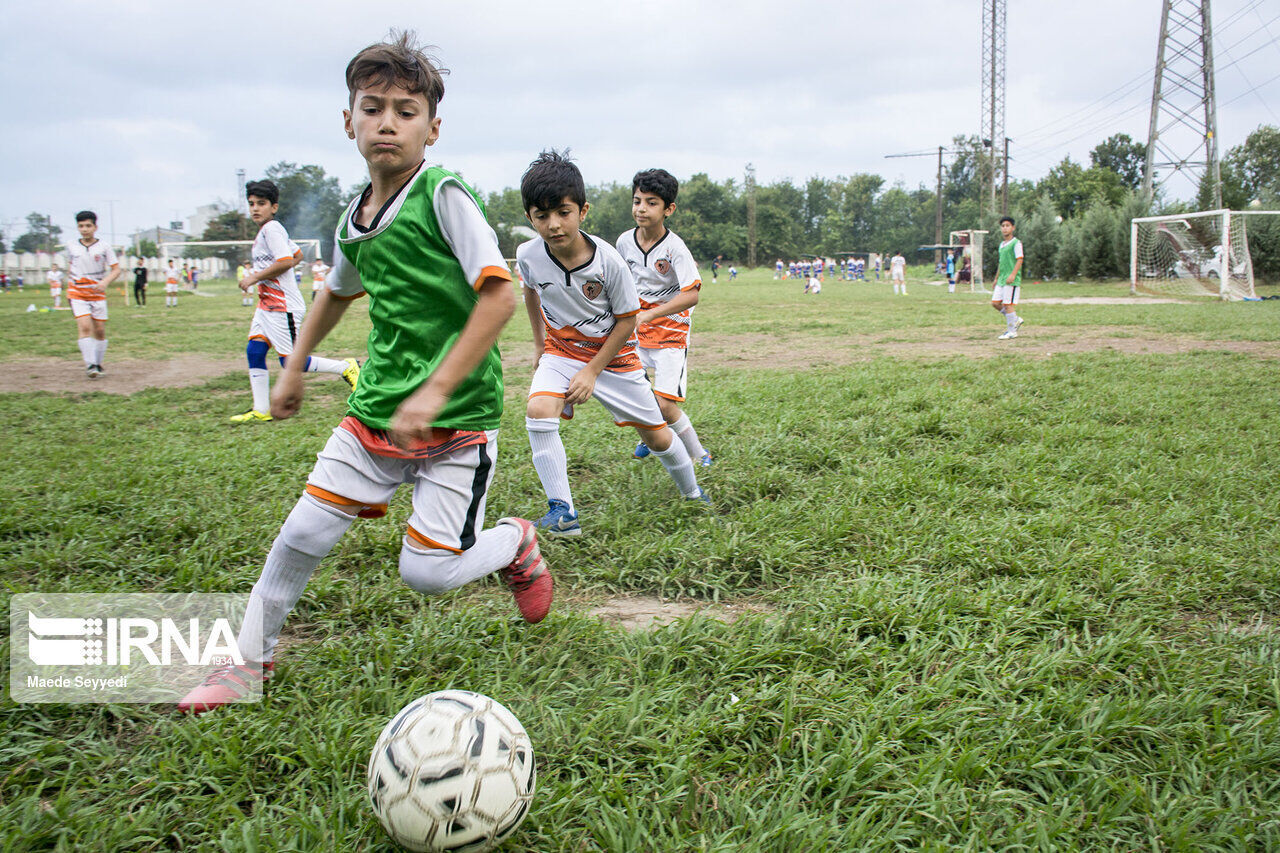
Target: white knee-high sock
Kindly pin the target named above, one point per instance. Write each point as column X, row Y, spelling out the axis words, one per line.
column 87, row 350
column 689, row 436
column 316, row 364
column 549, row 458
column 434, row 571
column 260, row 385
column 676, row 460
column 1011, row 320
column 310, row 532
column 101, row 351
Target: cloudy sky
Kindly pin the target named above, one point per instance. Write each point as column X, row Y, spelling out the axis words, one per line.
column 148, row 108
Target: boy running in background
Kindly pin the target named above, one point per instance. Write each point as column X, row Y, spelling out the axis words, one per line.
column 1004, row 296
column 318, row 270
column 280, row 306
column 668, row 283
column 171, row 285
column 582, row 307
column 92, row 266
column 427, row 408
column 898, row 273
column 54, row 277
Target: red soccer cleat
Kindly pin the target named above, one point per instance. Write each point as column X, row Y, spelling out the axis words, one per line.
column 528, row 576
column 225, row 685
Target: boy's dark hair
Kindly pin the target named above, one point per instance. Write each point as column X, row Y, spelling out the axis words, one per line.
column 1008, row 219
column 551, row 179
column 398, row 61
column 659, row 182
column 87, row 214
column 263, row 189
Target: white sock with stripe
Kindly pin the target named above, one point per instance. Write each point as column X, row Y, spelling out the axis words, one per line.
column 260, row 385
column 678, row 464
column 689, row 436
column 307, row 535
column 86, row 350
column 434, row 571
column 549, row 458
column 316, row 364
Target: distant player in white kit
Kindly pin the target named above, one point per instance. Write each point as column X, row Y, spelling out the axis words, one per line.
column 280, row 306
column 171, row 274
column 898, row 273
column 318, row 270
column 54, row 277
column 92, row 266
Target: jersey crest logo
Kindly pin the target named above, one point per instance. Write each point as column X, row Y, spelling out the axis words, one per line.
column 662, row 265
column 592, row 289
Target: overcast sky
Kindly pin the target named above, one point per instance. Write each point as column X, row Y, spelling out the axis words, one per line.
column 155, row 105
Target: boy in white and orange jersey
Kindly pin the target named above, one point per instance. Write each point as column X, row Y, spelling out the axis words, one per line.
column 171, row 274
column 582, row 307
column 668, row 283
column 280, row 307
column 54, row 276
column 318, row 270
column 92, row 266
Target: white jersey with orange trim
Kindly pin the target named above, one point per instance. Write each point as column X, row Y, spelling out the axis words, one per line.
column 54, row 277
column 88, row 266
column 318, row 269
column 662, row 272
column 581, row 306
column 280, row 293
column 171, row 275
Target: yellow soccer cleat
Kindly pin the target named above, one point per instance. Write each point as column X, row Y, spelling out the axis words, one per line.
column 251, row 416
column 352, row 373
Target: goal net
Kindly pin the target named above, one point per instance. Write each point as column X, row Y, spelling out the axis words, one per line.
column 1193, row 254
column 970, row 242
column 226, row 255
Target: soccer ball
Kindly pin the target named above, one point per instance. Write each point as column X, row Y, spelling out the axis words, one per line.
column 453, row 770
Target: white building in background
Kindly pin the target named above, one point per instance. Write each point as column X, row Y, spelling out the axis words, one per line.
column 199, row 221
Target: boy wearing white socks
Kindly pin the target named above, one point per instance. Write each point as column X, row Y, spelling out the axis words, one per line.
column 668, row 283
column 1004, row 296
column 92, row 266
column 582, row 308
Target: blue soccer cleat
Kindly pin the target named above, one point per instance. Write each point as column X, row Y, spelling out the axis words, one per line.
column 642, row 450
column 701, row 496
column 706, row 461
column 559, row 521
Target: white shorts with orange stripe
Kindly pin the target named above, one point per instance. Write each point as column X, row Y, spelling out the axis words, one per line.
column 668, row 368
column 95, row 308
column 277, row 328
column 628, row 396
column 449, row 490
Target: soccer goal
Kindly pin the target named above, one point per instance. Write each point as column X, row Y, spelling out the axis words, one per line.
column 1193, row 254
column 310, row 248
column 971, row 242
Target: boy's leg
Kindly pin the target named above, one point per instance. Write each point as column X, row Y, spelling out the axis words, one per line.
column 543, row 413
column 259, row 379
column 629, row 398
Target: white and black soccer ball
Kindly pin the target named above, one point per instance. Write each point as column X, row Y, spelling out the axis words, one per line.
column 453, row 770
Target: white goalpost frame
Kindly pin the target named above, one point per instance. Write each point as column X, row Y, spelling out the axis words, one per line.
column 164, row 247
column 974, row 249
column 1224, row 268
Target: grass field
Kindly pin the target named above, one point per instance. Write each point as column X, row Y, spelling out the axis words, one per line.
column 960, row 593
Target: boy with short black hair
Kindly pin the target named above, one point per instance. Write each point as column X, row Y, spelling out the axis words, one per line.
column 280, row 306
column 55, row 277
column 1004, row 295
column 582, row 308
column 427, row 408
column 171, row 285
column 898, row 273
column 140, row 283
column 92, row 266
column 668, row 283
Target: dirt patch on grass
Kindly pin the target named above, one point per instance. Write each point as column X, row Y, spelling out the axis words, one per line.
column 646, row 612
column 772, row 351
column 122, row 377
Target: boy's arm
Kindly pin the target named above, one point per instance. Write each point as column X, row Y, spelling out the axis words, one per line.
column 276, row 270
column 111, row 276
column 413, row 418
column 584, row 381
column 1017, row 267
column 682, row 300
column 326, row 311
column 533, row 307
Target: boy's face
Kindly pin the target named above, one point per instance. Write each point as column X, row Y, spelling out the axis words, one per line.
column 87, row 228
column 559, row 225
column 391, row 127
column 649, row 210
column 1006, row 229
column 261, row 210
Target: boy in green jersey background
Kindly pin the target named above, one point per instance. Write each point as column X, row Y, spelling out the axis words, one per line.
column 428, row 402
column 1004, row 294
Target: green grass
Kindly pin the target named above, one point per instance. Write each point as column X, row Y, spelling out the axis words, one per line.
column 1007, row 603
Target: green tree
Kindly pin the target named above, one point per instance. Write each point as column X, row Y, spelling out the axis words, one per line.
column 851, row 217
column 1097, row 241
column 232, row 225
column 779, row 231
column 1121, row 155
column 1038, row 228
column 1072, row 188
column 1066, row 263
column 42, row 235
column 310, row 202
column 1256, row 162
column 148, row 249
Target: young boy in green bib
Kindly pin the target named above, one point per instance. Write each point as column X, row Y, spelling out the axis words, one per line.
column 1004, row 294
column 428, row 402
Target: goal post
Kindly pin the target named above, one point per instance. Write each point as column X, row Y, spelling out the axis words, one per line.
column 1204, row 253
column 970, row 241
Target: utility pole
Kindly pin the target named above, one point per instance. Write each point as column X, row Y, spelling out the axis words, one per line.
column 1184, row 113
column 1004, row 188
column 937, row 217
column 751, row 216
column 994, row 17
